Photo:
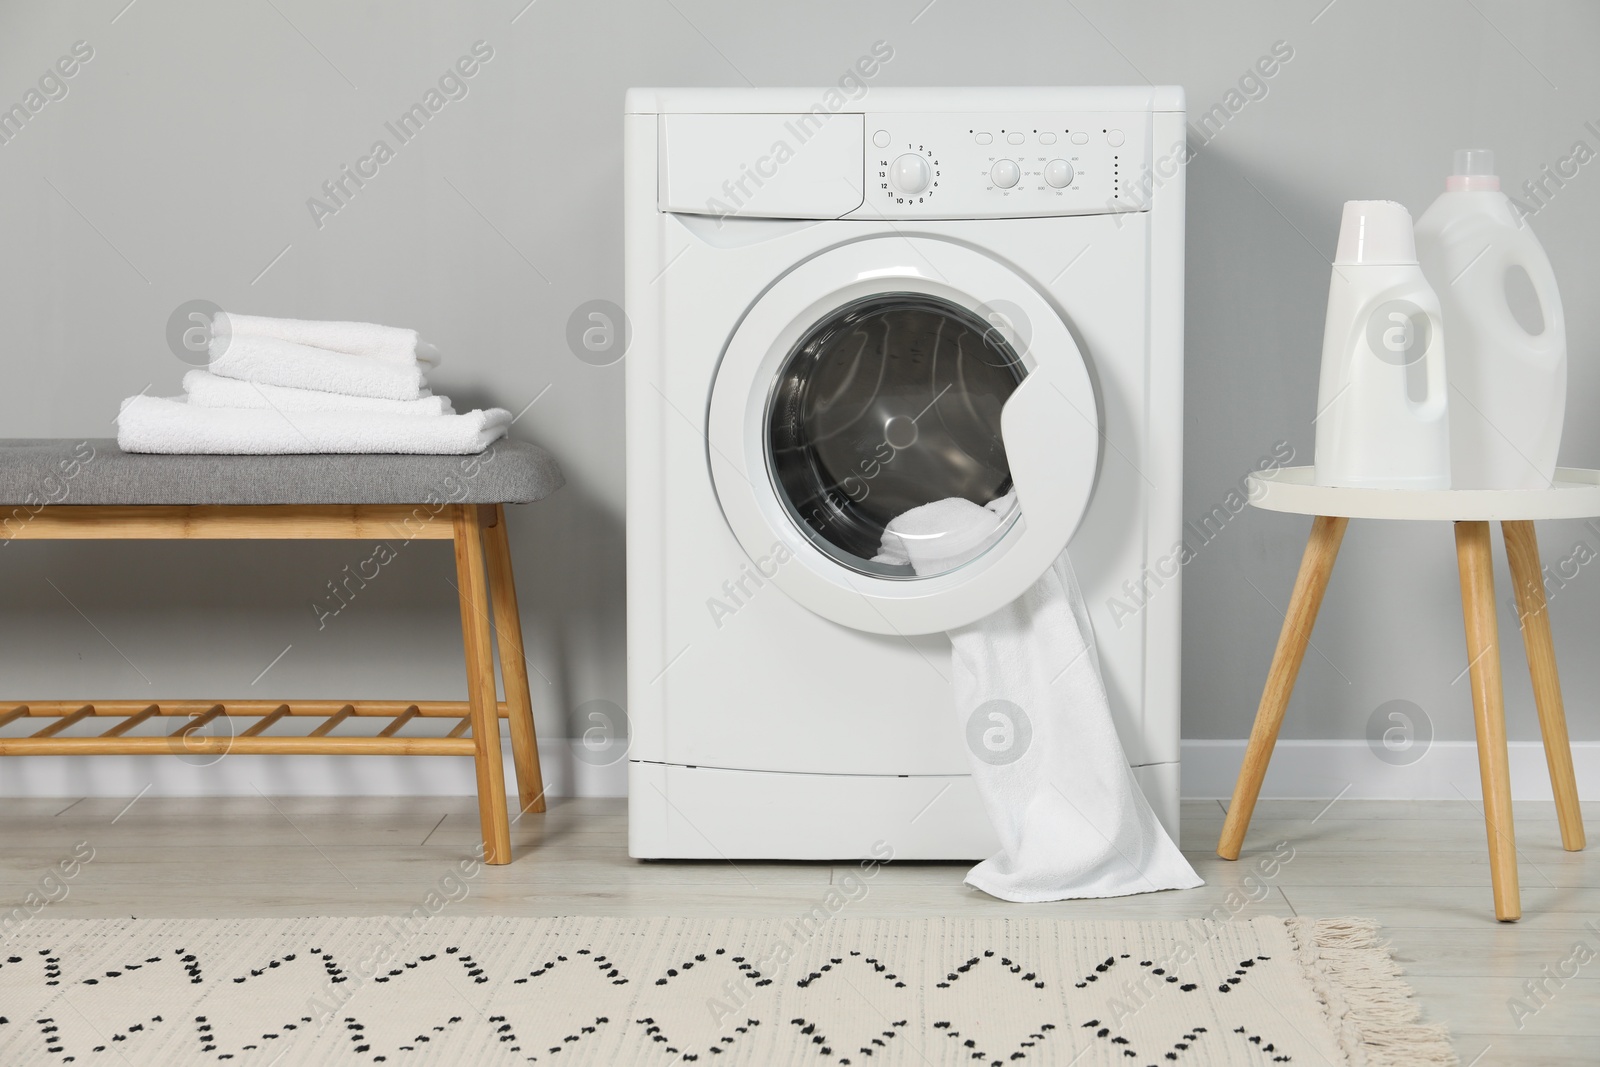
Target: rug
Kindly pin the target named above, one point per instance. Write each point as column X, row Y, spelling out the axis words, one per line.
column 763, row 992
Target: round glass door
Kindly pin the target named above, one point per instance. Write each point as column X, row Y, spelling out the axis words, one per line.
column 884, row 439
column 873, row 422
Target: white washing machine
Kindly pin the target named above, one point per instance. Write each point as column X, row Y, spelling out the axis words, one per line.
column 842, row 310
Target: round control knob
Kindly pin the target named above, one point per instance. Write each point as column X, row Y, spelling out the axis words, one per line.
column 1058, row 173
column 1005, row 173
column 910, row 173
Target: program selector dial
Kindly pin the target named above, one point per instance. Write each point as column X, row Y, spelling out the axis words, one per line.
column 1005, row 173
column 910, row 173
column 1058, row 173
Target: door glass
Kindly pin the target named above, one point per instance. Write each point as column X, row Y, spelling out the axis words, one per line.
column 890, row 404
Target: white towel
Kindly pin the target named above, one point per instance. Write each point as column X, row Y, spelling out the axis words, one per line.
column 273, row 361
column 393, row 344
column 941, row 536
column 207, row 390
column 169, row 425
column 1071, row 819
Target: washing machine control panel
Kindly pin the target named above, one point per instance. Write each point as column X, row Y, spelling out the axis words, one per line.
column 933, row 166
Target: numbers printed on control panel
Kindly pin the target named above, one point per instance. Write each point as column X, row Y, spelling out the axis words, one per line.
column 910, row 178
column 1048, row 163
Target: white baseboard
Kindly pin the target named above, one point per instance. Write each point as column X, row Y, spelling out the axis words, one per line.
column 1300, row 769
column 1448, row 770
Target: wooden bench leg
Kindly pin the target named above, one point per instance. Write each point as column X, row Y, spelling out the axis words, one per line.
column 1489, row 713
column 1322, row 548
column 1522, row 549
column 470, row 581
column 514, row 666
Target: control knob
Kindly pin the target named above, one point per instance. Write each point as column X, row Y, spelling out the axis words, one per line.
column 1005, row 173
column 910, row 173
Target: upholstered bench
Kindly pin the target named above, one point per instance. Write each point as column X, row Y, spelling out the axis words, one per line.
column 62, row 489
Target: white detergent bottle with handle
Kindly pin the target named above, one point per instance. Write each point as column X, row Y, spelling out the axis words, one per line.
column 1382, row 419
column 1508, row 358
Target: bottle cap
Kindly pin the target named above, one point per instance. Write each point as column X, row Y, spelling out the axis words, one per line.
column 1474, row 171
column 1375, row 231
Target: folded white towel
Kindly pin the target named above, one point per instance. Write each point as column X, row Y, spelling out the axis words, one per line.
column 273, row 361
column 1045, row 756
column 169, row 425
column 207, row 390
column 391, row 343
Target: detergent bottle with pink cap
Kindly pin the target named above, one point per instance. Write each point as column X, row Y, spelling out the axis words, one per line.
column 1507, row 359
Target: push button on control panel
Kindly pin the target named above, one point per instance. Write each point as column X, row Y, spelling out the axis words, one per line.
column 986, row 138
column 1047, row 138
column 1005, row 173
column 1015, row 138
column 881, row 138
column 1114, row 138
column 1080, row 138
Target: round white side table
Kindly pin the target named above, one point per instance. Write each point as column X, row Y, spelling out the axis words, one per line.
column 1575, row 494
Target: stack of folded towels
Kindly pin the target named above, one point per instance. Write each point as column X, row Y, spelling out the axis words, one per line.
column 280, row 386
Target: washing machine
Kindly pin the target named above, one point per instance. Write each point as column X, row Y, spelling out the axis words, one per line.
column 843, row 308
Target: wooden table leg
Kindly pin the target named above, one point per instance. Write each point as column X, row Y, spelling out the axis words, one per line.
column 513, row 666
column 1488, row 707
column 1522, row 549
column 1315, row 567
column 475, row 636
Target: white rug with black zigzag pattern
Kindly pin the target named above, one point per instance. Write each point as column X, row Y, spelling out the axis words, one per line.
column 578, row 991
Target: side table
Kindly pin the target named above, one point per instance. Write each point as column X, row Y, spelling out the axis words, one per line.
column 1575, row 495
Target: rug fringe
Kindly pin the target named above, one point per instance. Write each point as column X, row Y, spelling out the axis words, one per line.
column 1368, row 1005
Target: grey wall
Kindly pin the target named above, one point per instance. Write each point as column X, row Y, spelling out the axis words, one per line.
column 179, row 164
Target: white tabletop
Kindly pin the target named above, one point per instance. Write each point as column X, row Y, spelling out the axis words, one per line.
column 1575, row 495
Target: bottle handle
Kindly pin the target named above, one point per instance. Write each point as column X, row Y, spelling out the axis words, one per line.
column 1433, row 361
column 1542, row 277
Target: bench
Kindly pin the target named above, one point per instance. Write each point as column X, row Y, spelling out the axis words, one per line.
column 63, row 489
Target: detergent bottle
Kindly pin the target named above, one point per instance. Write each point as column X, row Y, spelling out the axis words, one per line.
column 1382, row 419
column 1508, row 371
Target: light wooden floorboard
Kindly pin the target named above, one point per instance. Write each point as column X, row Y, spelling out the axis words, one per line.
column 1420, row 868
column 1479, row 1049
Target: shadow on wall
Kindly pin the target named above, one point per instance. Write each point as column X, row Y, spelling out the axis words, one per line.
column 1257, row 280
column 573, row 594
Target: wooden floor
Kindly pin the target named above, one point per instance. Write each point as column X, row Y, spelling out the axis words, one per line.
column 1419, row 868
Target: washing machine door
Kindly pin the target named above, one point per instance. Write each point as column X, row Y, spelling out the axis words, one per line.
column 902, row 434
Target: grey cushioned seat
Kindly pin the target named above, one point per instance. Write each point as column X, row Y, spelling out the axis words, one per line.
column 35, row 471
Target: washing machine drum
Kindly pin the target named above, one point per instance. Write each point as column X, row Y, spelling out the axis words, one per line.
column 903, row 449
column 887, row 405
